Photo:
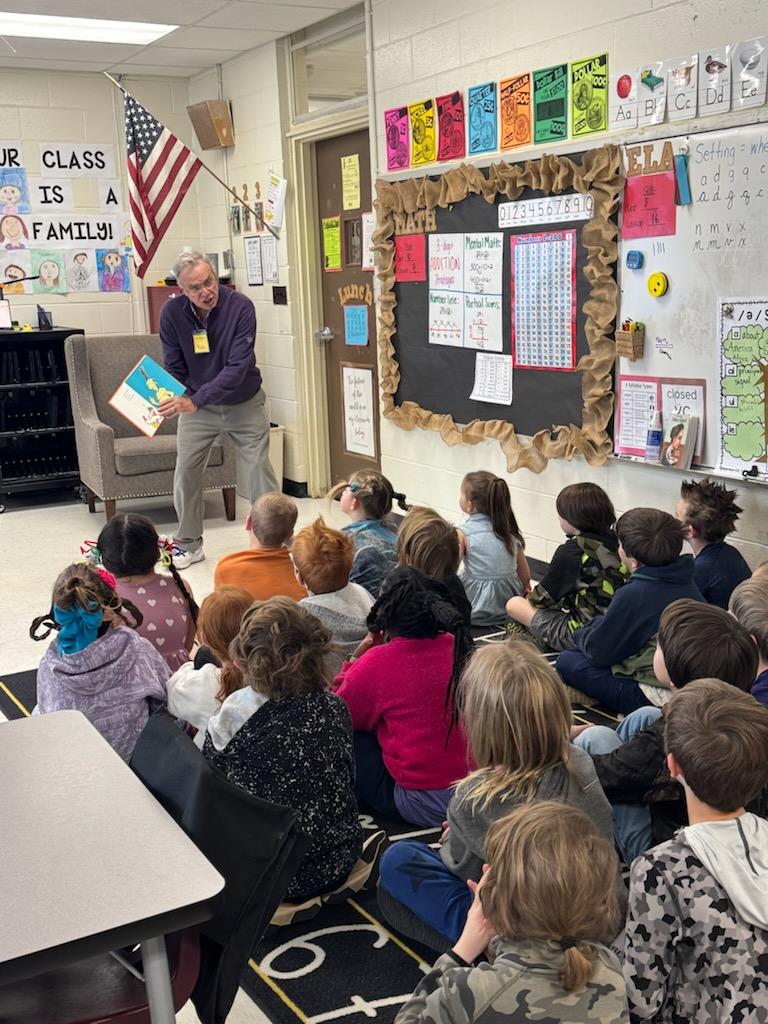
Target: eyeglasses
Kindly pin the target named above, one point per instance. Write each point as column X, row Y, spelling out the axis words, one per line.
column 195, row 289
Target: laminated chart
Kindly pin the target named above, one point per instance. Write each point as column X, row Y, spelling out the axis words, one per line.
column 544, row 300
column 465, row 272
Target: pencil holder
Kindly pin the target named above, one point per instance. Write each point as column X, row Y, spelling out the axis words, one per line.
column 630, row 344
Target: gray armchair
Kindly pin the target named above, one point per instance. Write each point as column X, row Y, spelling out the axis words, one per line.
column 116, row 460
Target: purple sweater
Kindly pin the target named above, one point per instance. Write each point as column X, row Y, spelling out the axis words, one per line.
column 110, row 681
column 227, row 374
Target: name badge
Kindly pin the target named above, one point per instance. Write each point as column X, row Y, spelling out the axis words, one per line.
column 200, row 343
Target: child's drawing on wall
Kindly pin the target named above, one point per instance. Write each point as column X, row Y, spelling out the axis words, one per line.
column 12, row 269
column 14, row 190
column 13, row 232
column 49, row 265
column 113, row 271
column 81, row 270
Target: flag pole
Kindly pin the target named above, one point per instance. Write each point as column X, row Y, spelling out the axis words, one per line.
column 259, row 217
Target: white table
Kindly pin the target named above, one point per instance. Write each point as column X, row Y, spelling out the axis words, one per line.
column 91, row 861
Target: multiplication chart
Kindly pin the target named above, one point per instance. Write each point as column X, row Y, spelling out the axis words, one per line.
column 544, row 300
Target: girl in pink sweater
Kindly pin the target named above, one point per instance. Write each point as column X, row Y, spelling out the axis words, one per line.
column 400, row 688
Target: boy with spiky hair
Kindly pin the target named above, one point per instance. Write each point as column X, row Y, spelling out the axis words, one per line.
column 709, row 511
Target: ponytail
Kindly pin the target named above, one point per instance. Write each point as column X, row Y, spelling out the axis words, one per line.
column 578, row 964
column 490, row 495
column 374, row 492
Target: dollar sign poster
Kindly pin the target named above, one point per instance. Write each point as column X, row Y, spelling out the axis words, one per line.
column 422, row 118
column 515, row 105
column 396, row 134
column 589, row 95
column 482, row 118
column 450, row 119
column 550, row 104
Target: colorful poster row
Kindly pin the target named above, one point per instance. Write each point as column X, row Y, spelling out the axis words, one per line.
column 574, row 101
column 64, row 270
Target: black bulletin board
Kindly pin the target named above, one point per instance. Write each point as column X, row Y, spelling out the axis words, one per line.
column 428, row 386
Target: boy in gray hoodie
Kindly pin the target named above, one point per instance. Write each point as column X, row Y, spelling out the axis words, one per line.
column 696, row 940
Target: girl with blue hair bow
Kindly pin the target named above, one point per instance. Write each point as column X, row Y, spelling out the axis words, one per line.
column 97, row 663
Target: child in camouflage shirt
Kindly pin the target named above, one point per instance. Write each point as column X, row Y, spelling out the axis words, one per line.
column 548, row 904
column 583, row 575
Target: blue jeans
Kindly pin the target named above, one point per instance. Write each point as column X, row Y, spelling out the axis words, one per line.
column 414, row 875
column 617, row 693
column 631, row 822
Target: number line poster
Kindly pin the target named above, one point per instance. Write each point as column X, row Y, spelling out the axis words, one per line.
column 543, row 269
column 465, row 273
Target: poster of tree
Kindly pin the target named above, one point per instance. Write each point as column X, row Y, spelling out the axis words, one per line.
column 743, row 384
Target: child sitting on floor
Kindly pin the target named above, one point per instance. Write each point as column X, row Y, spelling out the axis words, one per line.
column 401, row 694
column 612, row 656
column 517, row 719
column 709, row 511
column 196, row 690
column 694, row 639
column 264, row 569
column 548, row 903
column 495, row 567
column 749, row 606
column 696, row 941
column 429, row 543
column 129, row 547
column 322, row 558
column 367, row 500
column 583, row 575
column 293, row 744
column 97, row 663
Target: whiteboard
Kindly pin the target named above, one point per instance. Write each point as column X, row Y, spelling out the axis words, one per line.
column 720, row 249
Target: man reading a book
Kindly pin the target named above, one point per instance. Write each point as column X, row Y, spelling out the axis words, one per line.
column 208, row 335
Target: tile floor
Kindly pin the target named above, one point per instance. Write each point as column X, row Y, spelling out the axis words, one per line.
column 37, row 540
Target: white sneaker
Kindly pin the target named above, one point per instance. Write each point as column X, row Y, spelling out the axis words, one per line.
column 183, row 558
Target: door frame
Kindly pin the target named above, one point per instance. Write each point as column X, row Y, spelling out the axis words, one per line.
column 304, row 238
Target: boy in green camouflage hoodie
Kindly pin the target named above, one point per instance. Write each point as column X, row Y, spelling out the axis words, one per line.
column 547, row 905
column 584, row 574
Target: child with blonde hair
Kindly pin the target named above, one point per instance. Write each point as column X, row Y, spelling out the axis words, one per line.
column 749, row 606
column 196, row 690
column 548, row 903
column 495, row 567
column 97, row 663
column 367, row 499
column 517, row 719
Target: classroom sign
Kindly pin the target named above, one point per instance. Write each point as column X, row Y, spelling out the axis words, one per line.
column 550, row 104
column 589, row 95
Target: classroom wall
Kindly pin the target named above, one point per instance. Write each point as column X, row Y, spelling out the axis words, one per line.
column 251, row 83
column 425, row 49
column 63, row 106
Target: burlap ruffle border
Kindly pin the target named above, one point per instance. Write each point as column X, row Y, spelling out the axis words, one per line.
column 600, row 173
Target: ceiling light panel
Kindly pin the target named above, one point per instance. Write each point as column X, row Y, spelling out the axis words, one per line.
column 91, row 30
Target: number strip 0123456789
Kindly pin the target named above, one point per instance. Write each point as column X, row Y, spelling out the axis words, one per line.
column 547, row 210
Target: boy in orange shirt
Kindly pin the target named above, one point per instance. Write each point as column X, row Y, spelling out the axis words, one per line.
column 265, row 569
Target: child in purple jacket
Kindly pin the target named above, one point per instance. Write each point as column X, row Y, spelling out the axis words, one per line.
column 97, row 663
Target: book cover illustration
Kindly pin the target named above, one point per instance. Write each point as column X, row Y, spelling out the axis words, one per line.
column 142, row 391
column 679, row 441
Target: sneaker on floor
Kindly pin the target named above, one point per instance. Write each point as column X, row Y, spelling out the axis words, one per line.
column 183, row 557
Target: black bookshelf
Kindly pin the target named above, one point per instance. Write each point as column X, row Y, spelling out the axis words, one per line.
column 37, row 433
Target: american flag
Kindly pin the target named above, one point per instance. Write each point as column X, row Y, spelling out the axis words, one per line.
column 160, row 170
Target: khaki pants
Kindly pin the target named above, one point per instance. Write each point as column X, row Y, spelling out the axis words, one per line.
column 247, row 427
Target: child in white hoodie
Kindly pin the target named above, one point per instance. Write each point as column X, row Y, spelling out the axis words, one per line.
column 696, row 941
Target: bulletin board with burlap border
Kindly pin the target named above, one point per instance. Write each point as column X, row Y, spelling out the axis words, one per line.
column 427, row 386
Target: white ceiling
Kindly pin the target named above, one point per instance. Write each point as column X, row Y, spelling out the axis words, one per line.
column 209, row 33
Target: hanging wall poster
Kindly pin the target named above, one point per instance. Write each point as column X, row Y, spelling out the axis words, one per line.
column 622, row 106
column 715, row 81
column 649, row 209
column 550, row 104
column 750, row 71
column 274, row 205
column 114, row 275
column 359, row 422
column 396, row 135
column 493, row 379
column 350, row 182
column 355, row 325
column 423, row 147
column 253, row 261
column 367, row 230
column 544, row 300
column 515, row 107
column 682, row 85
column 482, row 118
column 652, row 93
column 743, row 341
column 483, row 259
column 450, row 120
column 331, row 243
column 81, row 270
column 410, row 259
column 446, row 290
column 589, row 95
column 49, row 265
column 269, row 259
column 13, row 266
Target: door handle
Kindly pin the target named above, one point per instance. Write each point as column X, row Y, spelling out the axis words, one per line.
column 324, row 335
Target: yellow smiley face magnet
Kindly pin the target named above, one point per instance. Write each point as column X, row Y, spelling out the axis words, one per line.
column 658, row 284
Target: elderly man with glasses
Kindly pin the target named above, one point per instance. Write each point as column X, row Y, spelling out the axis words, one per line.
column 208, row 335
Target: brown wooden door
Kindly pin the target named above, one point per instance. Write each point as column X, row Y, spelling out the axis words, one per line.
column 349, row 313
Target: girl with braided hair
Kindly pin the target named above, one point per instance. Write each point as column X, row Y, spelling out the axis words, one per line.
column 401, row 688
column 97, row 663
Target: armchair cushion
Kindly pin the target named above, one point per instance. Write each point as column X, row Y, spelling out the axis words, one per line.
column 135, row 456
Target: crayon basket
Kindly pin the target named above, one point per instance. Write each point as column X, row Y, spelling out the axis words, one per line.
column 630, row 344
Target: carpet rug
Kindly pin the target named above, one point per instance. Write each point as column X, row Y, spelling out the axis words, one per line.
column 18, row 694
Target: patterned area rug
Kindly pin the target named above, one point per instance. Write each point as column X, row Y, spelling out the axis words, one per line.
column 18, row 694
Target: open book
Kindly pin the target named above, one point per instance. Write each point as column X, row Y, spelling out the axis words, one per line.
column 145, row 387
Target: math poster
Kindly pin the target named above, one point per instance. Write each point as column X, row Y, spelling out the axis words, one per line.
column 649, row 209
column 515, row 106
column 410, row 258
column 482, row 118
column 589, row 95
column 396, row 135
column 550, row 104
column 450, row 121
column 422, row 119
column 544, row 300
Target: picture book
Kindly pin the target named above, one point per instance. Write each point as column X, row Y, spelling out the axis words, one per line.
column 145, row 387
column 679, row 442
